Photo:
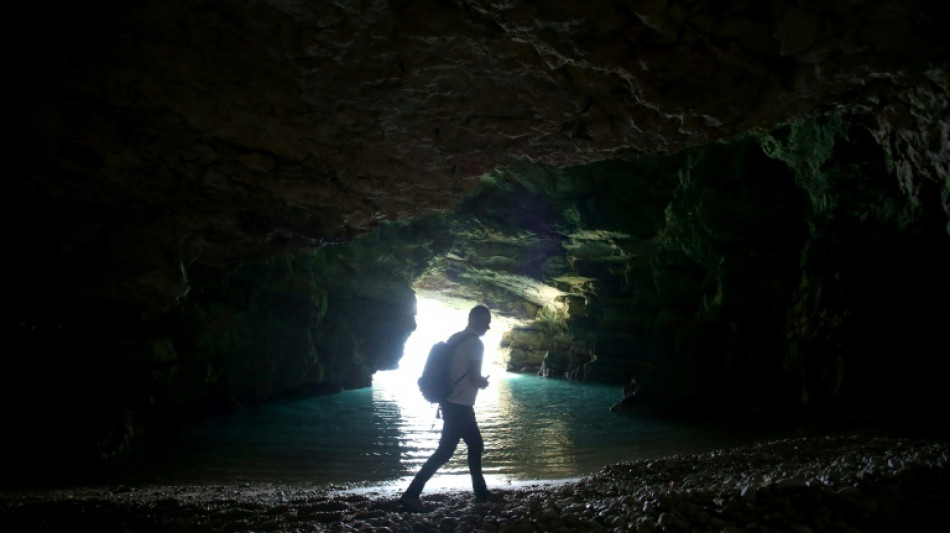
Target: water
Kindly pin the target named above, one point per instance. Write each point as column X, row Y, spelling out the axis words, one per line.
column 534, row 429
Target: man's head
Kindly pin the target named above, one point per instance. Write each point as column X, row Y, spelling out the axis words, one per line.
column 479, row 319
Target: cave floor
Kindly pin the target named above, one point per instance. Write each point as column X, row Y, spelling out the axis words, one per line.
column 840, row 483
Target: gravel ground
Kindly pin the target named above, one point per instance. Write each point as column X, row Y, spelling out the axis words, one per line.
column 847, row 484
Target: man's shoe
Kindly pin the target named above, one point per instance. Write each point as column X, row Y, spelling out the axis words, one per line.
column 488, row 497
column 413, row 505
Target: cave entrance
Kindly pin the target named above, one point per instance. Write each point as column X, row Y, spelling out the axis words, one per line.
column 437, row 319
column 400, row 405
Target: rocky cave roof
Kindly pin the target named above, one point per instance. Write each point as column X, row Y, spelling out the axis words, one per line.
column 166, row 142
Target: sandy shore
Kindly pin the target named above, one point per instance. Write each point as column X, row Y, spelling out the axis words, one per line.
column 846, row 484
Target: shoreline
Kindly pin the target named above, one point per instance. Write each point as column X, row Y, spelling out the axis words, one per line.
column 839, row 483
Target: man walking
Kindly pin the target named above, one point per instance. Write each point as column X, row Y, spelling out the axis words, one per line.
column 458, row 411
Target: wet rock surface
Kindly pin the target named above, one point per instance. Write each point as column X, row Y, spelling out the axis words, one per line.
column 842, row 484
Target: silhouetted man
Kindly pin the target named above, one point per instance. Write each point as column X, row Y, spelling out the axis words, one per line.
column 458, row 411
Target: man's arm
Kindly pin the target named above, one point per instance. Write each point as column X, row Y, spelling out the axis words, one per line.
column 475, row 365
column 475, row 374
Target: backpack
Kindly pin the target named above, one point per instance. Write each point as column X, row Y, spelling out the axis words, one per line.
column 434, row 383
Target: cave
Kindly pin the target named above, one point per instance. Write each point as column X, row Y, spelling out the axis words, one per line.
column 227, row 203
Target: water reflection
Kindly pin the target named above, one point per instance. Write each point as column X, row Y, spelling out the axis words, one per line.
column 544, row 430
column 534, row 428
column 526, row 435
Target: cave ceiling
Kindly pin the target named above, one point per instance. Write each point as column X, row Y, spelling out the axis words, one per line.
column 165, row 142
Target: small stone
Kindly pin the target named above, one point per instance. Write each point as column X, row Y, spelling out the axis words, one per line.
column 791, row 483
column 800, row 528
column 748, row 493
column 449, row 524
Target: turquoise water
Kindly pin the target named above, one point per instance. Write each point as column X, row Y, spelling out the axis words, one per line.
column 534, row 429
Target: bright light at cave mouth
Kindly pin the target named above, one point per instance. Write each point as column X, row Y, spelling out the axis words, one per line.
column 437, row 320
column 398, row 398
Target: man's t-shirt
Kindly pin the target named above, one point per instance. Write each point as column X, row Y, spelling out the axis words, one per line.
column 468, row 349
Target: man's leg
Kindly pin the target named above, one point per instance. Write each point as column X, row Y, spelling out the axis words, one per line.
column 476, row 446
column 448, row 442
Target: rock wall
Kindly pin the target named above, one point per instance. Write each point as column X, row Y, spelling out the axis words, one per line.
column 867, row 313
column 315, row 322
column 783, row 274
